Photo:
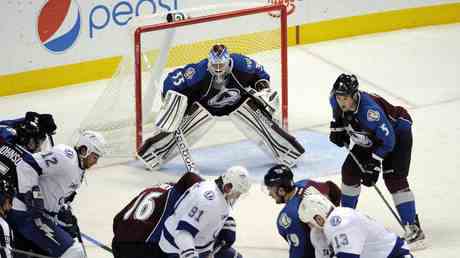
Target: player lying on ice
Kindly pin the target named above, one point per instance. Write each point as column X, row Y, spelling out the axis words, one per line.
column 345, row 232
column 187, row 219
column 224, row 84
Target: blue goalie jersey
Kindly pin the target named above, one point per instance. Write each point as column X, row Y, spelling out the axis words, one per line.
column 196, row 82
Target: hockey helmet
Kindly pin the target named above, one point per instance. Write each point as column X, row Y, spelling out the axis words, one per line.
column 314, row 204
column 93, row 141
column 29, row 135
column 219, row 62
column 279, row 175
column 345, row 85
column 238, row 177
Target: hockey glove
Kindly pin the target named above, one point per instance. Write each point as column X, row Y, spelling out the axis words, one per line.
column 68, row 222
column 33, row 199
column 372, row 169
column 46, row 124
column 338, row 135
column 32, row 116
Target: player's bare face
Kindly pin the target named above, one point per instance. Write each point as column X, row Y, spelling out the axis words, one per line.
column 346, row 103
column 273, row 192
column 91, row 160
column 6, row 207
column 231, row 198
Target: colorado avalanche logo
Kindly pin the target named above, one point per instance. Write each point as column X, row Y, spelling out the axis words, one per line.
column 227, row 97
column 58, row 25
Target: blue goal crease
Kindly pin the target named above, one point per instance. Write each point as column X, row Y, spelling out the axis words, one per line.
column 321, row 158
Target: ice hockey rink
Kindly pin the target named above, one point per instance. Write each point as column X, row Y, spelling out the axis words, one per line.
column 417, row 68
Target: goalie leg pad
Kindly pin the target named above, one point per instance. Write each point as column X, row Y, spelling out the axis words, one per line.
column 162, row 147
column 282, row 146
column 172, row 111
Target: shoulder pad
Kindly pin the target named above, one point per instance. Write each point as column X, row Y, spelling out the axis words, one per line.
column 243, row 63
column 65, row 151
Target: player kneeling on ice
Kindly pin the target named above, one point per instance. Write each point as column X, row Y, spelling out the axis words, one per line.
column 350, row 233
column 282, row 188
column 223, row 84
column 187, row 219
column 47, row 183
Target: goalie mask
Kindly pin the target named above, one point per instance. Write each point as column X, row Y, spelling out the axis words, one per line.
column 219, row 63
column 238, row 178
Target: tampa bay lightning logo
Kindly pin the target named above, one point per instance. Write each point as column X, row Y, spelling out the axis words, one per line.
column 227, row 97
column 209, row 195
column 58, row 25
column 335, row 221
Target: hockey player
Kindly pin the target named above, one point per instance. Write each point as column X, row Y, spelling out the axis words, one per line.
column 229, row 85
column 6, row 237
column 45, row 183
column 282, row 188
column 45, row 123
column 382, row 138
column 187, row 219
column 350, row 233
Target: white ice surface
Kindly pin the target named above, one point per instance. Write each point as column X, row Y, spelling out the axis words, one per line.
column 417, row 68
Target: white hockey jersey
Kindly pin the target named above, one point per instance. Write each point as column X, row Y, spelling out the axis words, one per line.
column 349, row 231
column 61, row 177
column 202, row 209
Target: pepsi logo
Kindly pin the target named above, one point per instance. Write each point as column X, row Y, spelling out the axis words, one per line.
column 58, row 25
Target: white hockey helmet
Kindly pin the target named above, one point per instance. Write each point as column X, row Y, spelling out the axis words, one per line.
column 238, row 176
column 93, row 141
column 314, row 204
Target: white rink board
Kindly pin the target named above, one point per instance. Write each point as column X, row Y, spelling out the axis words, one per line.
column 103, row 25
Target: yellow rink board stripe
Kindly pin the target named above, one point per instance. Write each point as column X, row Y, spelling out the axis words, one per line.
column 309, row 33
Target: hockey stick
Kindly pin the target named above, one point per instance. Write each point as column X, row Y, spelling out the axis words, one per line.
column 185, row 151
column 81, row 241
column 376, row 188
column 94, row 241
column 388, row 205
column 28, row 253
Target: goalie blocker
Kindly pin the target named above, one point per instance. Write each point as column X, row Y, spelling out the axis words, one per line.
column 249, row 117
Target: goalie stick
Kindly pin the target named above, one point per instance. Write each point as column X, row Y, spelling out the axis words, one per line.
column 185, row 151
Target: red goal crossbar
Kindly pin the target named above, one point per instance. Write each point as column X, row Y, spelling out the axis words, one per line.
column 220, row 16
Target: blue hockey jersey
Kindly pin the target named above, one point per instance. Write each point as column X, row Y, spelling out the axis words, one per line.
column 295, row 232
column 374, row 123
column 195, row 82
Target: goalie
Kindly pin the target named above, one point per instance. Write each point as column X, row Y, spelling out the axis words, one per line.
column 223, row 84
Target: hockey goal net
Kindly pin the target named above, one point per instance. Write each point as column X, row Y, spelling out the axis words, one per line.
column 126, row 110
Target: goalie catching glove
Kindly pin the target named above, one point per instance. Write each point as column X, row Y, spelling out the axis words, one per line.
column 268, row 97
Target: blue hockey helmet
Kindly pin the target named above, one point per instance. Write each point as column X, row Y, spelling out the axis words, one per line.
column 219, row 61
column 345, row 85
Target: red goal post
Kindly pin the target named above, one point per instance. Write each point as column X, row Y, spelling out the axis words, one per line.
column 140, row 31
